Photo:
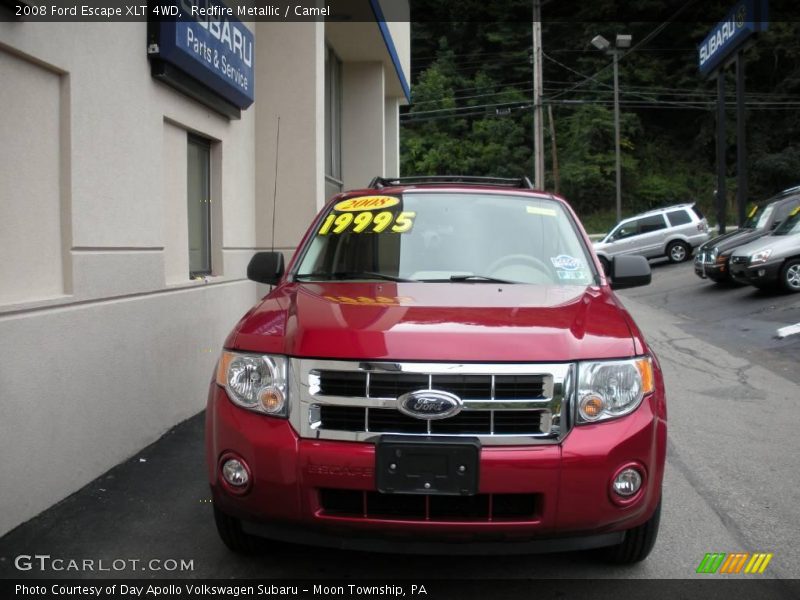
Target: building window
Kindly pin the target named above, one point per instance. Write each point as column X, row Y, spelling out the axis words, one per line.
column 333, row 123
column 199, row 205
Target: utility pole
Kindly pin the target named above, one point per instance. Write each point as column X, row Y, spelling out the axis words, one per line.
column 722, row 193
column 741, row 142
column 615, row 55
column 554, row 150
column 538, row 121
column 622, row 42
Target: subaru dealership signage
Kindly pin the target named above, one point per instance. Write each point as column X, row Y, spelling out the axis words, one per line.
column 744, row 19
column 203, row 40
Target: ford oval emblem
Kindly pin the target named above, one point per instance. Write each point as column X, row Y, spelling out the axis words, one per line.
column 429, row 404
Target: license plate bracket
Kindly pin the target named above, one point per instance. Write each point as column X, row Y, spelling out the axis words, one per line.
column 427, row 465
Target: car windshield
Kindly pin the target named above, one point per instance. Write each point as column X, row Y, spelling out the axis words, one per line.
column 446, row 236
column 758, row 216
column 790, row 225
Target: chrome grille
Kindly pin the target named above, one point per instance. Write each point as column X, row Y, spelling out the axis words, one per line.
column 706, row 257
column 392, row 385
column 503, row 404
column 389, row 420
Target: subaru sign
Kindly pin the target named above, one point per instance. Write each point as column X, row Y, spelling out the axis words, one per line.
column 207, row 43
column 744, row 19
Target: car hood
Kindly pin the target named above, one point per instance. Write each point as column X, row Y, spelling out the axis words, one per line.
column 780, row 244
column 438, row 322
column 600, row 245
column 733, row 239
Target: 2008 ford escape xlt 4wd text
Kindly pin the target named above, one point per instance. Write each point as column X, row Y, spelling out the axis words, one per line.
column 442, row 367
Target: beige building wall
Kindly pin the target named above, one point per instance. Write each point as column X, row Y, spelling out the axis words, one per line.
column 391, row 122
column 106, row 342
column 298, row 153
column 363, row 157
column 32, row 113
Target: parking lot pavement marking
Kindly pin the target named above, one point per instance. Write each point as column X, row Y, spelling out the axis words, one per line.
column 788, row 330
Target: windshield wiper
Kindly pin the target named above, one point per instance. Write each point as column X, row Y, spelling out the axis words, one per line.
column 479, row 279
column 341, row 275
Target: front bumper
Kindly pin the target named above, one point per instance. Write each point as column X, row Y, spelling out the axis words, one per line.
column 570, row 483
column 762, row 274
column 714, row 271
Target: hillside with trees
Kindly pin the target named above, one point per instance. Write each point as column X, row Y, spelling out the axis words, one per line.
column 471, row 110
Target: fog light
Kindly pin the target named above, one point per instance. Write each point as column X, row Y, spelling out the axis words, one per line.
column 762, row 272
column 235, row 473
column 591, row 406
column 627, row 483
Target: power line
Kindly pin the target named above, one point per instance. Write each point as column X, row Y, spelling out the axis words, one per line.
column 637, row 91
column 646, row 39
column 480, row 110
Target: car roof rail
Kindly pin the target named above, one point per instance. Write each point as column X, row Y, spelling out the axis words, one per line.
column 518, row 182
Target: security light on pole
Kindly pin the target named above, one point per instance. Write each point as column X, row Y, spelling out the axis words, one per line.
column 622, row 41
column 600, row 42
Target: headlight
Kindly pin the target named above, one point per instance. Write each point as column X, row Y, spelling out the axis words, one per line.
column 611, row 389
column 761, row 256
column 712, row 256
column 257, row 382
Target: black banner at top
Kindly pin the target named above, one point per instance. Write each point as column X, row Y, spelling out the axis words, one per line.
column 511, row 11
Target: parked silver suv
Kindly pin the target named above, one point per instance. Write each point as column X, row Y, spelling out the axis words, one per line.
column 673, row 232
column 773, row 259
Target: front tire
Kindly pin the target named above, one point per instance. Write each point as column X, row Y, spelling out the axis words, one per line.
column 638, row 542
column 790, row 275
column 231, row 534
column 678, row 252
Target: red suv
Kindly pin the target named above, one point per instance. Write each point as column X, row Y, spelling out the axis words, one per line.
column 443, row 366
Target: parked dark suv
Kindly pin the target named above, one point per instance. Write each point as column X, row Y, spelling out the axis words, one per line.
column 712, row 258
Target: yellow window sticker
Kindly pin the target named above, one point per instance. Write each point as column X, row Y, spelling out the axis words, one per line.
column 795, row 211
column 538, row 210
column 366, row 203
column 368, row 222
column 753, row 211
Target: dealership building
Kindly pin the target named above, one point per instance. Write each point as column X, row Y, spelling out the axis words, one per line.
column 142, row 165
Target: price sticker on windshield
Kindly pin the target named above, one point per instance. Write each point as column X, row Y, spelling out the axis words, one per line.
column 795, row 211
column 367, row 214
column 368, row 222
column 753, row 211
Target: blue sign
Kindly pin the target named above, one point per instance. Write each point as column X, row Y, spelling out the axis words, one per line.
column 207, row 42
column 744, row 19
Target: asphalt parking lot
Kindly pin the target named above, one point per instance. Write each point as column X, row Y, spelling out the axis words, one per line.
column 730, row 478
column 741, row 319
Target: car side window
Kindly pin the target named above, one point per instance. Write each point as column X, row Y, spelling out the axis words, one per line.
column 626, row 230
column 652, row 223
column 679, row 217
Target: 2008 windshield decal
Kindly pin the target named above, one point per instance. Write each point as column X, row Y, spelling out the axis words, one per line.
column 368, row 222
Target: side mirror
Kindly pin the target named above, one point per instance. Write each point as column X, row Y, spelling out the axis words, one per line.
column 266, row 267
column 629, row 271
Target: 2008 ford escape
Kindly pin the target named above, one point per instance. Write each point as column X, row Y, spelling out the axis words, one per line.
column 443, row 366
